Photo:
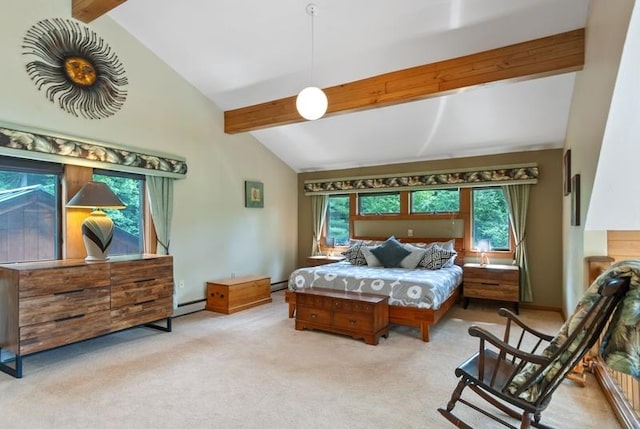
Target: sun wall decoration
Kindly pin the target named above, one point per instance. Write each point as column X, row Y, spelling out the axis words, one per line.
column 75, row 67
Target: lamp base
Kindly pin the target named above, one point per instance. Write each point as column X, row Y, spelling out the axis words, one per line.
column 97, row 234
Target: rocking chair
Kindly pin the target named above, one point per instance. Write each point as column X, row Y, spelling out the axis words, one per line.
column 517, row 378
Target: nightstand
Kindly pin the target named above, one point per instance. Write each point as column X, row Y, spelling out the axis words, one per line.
column 496, row 282
column 313, row 261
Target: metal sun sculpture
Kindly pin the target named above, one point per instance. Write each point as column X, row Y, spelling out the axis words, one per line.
column 76, row 67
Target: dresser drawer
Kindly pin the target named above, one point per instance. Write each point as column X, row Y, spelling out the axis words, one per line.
column 130, row 272
column 43, row 336
column 138, row 314
column 140, row 290
column 63, row 305
column 491, row 290
column 50, row 281
column 314, row 315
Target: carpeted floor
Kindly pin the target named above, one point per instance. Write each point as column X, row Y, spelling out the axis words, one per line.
column 252, row 369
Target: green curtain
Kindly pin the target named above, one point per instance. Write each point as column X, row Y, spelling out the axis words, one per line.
column 319, row 205
column 161, row 200
column 517, row 197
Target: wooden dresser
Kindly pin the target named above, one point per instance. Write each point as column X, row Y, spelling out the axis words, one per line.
column 497, row 282
column 359, row 315
column 238, row 293
column 49, row 304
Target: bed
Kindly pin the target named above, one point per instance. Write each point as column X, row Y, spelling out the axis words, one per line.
column 418, row 297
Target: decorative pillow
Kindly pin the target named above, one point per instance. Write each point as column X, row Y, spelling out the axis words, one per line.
column 354, row 254
column 447, row 245
column 371, row 259
column 390, row 253
column 413, row 259
column 437, row 257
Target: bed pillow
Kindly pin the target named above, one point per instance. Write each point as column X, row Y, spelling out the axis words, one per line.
column 371, row 259
column 447, row 245
column 354, row 254
column 412, row 260
column 437, row 257
column 390, row 253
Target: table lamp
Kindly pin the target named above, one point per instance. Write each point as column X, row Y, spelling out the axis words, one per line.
column 97, row 228
column 483, row 248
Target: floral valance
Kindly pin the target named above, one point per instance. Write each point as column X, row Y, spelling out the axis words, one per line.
column 45, row 147
column 460, row 178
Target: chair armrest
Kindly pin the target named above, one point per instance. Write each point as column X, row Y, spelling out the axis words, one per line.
column 505, row 312
column 476, row 331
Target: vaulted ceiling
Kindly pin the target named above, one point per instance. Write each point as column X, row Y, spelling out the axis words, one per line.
column 252, row 57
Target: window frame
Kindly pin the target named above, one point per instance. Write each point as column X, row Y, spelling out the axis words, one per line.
column 465, row 213
column 494, row 253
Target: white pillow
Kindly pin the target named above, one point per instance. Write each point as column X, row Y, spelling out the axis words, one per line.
column 371, row 259
column 412, row 259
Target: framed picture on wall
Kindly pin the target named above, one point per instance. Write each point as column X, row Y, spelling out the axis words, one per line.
column 253, row 194
column 566, row 164
column 575, row 200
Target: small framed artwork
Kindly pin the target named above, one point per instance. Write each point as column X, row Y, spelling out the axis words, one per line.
column 253, row 194
column 575, row 200
column 566, row 182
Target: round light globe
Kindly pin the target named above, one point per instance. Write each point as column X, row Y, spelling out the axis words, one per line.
column 311, row 103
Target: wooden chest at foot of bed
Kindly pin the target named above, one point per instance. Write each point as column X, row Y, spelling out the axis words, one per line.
column 358, row 315
column 239, row 293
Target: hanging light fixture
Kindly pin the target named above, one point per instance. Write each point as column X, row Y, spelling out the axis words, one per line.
column 311, row 101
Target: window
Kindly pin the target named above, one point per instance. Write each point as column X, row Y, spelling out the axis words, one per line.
column 490, row 218
column 129, row 223
column 338, row 220
column 381, row 203
column 30, row 210
column 435, row 201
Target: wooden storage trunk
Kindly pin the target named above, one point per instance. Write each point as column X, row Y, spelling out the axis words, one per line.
column 234, row 294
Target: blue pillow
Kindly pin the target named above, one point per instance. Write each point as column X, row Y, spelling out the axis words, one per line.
column 390, row 253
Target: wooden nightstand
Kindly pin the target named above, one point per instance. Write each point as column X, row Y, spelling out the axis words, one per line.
column 497, row 282
column 313, row 261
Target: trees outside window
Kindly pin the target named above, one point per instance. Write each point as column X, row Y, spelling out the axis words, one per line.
column 129, row 222
column 435, row 201
column 377, row 204
column 490, row 218
column 338, row 219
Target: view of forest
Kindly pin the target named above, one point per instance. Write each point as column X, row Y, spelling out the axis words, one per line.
column 490, row 214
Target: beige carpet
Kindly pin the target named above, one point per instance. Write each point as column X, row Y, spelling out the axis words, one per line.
column 252, row 369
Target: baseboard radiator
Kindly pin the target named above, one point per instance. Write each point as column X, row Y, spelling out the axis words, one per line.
column 622, row 392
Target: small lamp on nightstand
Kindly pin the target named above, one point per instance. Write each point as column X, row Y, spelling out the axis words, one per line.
column 483, row 248
column 331, row 242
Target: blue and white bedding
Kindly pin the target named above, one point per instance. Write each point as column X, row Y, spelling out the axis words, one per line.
column 419, row 287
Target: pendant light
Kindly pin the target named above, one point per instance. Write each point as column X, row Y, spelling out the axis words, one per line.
column 311, row 101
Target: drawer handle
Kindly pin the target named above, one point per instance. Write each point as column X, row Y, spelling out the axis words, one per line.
column 352, row 322
column 145, row 302
column 314, row 315
column 144, row 280
column 62, row 319
column 490, row 284
column 66, row 292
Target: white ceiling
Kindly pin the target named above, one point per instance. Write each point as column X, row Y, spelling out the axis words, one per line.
column 244, row 52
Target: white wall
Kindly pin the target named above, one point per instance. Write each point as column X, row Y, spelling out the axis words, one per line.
column 613, row 206
column 605, row 35
column 213, row 235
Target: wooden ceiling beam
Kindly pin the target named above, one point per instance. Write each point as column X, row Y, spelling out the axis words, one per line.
column 552, row 55
column 88, row 10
